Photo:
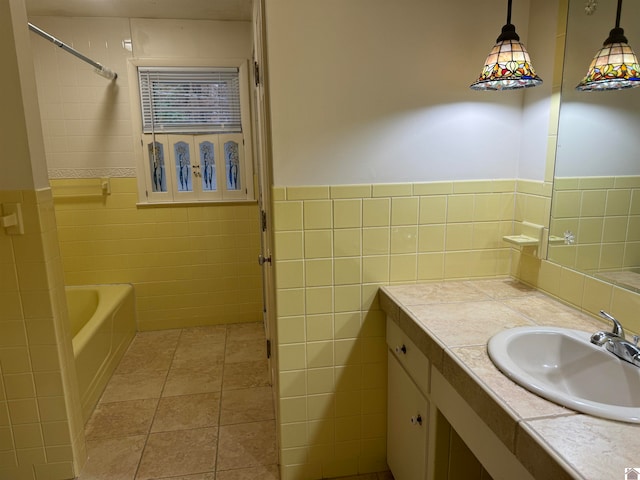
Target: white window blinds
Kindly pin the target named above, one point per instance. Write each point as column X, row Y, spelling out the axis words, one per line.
column 190, row 100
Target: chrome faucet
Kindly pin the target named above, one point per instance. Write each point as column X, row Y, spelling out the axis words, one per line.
column 616, row 343
column 600, row 338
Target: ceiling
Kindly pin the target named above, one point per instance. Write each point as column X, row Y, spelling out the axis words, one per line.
column 181, row 9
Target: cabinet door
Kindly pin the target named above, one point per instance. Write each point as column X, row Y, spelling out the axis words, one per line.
column 234, row 184
column 157, row 165
column 182, row 169
column 407, row 425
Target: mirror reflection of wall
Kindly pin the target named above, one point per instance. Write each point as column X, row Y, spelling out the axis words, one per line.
column 595, row 213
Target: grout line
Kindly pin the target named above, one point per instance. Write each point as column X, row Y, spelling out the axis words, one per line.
column 224, row 357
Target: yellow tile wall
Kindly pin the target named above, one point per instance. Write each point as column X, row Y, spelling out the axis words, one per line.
column 190, row 265
column 334, row 247
column 580, row 290
column 41, row 429
column 603, row 214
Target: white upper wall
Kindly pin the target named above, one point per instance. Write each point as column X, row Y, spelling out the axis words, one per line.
column 598, row 131
column 372, row 91
column 191, row 39
column 536, row 113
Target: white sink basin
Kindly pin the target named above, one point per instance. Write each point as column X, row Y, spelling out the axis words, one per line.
column 563, row 366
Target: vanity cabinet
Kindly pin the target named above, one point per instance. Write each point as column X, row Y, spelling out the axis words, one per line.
column 407, row 407
column 421, row 443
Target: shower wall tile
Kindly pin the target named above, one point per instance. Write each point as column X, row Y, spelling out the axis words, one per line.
column 190, row 265
column 86, row 119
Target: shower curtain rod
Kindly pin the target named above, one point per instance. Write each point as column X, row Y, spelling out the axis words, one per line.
column 99, row 68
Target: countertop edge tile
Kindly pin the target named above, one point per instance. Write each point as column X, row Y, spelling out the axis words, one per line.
column 537, row 456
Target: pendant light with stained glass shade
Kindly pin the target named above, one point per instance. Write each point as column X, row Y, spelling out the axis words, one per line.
column 614, row 66
column 508, row 65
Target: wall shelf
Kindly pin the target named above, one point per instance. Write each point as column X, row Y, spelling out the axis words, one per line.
column 521, row 240
column 530, row 236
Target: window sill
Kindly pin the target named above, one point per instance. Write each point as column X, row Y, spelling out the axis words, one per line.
column 196, row 203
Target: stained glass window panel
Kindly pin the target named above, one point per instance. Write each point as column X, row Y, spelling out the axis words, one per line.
column 183, row 166
column 232, row 165
column 156, row 167
column 208, row 167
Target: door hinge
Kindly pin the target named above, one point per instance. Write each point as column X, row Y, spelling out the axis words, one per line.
column 262, row 259
column 256, row 73
column 263, row 220
column 268, row 348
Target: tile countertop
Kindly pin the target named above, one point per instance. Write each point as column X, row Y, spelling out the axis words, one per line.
column 451, row 323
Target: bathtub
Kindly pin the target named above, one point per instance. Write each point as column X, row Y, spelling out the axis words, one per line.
column 102, row 323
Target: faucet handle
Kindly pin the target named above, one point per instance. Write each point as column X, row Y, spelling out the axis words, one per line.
column 617, row 327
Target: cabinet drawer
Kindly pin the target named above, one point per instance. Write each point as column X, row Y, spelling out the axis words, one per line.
column 412, row 359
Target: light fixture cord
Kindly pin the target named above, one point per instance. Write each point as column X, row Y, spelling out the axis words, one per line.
column 616, row 35
column 509, row 11
column 618, row 13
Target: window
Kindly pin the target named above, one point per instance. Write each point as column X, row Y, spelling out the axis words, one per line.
column 194, row 132
column 190, row 100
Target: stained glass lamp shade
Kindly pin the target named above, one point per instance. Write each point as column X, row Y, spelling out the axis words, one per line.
column 508, row 65
column 615, row 66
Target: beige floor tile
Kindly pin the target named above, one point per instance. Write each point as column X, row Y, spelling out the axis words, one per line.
column 120, row 419
column 113, row 458
column 183, row 452
column 198, row 355
column 265, row 472
column 246, row 405
column 245, row 331
column 191, row 381
column 134, row 386
column 211, row 335
column 187, row 412
column 188, row 368
column 246, row 374
column 156, row 339
column 247, row 445
column 149, row 351
column 151, row 360
column 245, row 350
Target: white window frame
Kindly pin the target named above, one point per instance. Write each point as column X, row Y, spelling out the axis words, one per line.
column 146, row 195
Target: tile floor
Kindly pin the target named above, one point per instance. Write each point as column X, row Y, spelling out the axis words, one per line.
column 188, row 404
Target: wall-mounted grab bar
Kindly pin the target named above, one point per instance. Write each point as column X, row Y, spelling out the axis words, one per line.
column 99, row 68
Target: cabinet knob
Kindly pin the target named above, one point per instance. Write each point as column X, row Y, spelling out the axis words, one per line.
column 417, row 420
column 402, row 349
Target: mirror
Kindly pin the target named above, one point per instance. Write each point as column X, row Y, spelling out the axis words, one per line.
column 595, row 213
